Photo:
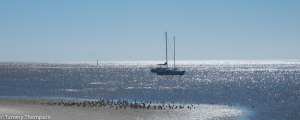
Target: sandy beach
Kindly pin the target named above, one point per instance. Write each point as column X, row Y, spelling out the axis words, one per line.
column 44, row 108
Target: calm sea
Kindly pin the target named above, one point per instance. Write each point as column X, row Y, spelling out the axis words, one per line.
column 271, row 86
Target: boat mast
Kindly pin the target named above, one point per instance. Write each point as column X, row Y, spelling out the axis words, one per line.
column 166, row 49
column 174, row 52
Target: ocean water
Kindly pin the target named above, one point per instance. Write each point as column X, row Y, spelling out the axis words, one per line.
column 271, row 86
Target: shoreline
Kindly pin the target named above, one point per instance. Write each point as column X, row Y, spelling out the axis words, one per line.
column 74, row 109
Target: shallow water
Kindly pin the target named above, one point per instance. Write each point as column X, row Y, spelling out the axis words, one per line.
column 272, row 87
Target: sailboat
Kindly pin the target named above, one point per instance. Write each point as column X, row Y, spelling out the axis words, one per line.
column 162, row 67
column 173, row 71
column 165, row 70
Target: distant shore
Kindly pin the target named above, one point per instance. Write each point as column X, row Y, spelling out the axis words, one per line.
column 69, row 109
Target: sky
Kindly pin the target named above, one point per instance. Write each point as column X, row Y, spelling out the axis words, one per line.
column 134, row 30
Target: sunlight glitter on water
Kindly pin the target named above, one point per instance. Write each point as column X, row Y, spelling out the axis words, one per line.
column 201, row 112
column 270, row 85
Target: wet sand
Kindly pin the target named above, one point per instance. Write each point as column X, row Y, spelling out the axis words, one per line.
column 67, row 109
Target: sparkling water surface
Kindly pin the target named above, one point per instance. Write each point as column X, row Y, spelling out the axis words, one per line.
column 271, row 86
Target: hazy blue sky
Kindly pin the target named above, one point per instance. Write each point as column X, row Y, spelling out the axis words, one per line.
column 125, row 30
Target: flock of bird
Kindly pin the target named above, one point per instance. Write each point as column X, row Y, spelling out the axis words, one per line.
column 123, row 104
